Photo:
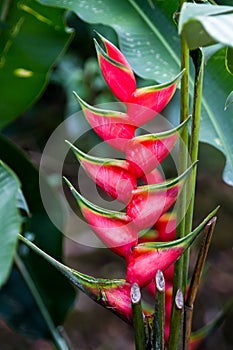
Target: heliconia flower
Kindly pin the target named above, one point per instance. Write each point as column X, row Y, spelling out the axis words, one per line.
column 112, row 126
column 111, row 175
column 116, row 70
column 145, row 103
column 113, row 228
column 146, row 152
column 151, row 201
column 147, row 258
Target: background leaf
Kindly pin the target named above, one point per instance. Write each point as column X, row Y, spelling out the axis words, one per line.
column 10, row 220
column 211, row 24
column 140, row 40
column 33, row 38
column 149, row 39
column 58, row 296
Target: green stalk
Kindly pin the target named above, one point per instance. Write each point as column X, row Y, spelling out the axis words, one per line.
column 177, row 317
column 59, row 341
column 159, row 318
column 138, row 322
column 198, row 61
column 195, row 281
column 181, row 202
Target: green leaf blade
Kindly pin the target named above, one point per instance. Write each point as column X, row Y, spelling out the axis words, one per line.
column 217, row 124
column 140, row 40
column 10, row 221
column 58, row 296
column 211, row 24
column 30, row 44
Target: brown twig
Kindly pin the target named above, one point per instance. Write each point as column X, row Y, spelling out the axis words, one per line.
column 195, row 281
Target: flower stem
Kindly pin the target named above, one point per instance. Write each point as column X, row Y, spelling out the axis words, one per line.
column 181, row 202
column 138, row 322
column 59, row 341
column 198, row 61
column 195, row 281
column 176, row 318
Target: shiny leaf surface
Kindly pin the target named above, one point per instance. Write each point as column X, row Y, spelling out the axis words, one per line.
column 10, row 222
column 36, row 35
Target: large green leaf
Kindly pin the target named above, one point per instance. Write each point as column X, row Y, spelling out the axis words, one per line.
column 58, row 295
column 32, row 39
column 211, row 24
column 140, row 40
column 149, row 39
column 10, row 219
column 217, row 123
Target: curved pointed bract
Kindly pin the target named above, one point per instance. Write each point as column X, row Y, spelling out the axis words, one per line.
column 112, row 294
column 146, row 152
column 147, row 258
column 150, row 202
column 115, row 229
column 112, row 126
column 145, row 103
column 116, row 70
column 111, row 175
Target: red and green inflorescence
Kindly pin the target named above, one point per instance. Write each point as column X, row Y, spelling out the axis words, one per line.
column 144, row 234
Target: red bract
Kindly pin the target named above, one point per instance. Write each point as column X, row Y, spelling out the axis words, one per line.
column 145, row 103
column 164, row 230
column 154, row 177
column 116, row 70
column 113, row 228
column 112, row 294
column 111, row 175
column 146, row 260
column 150, row 202
column 117, row 298
column 166, row 227
column 146, row 152
column 113, row 127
